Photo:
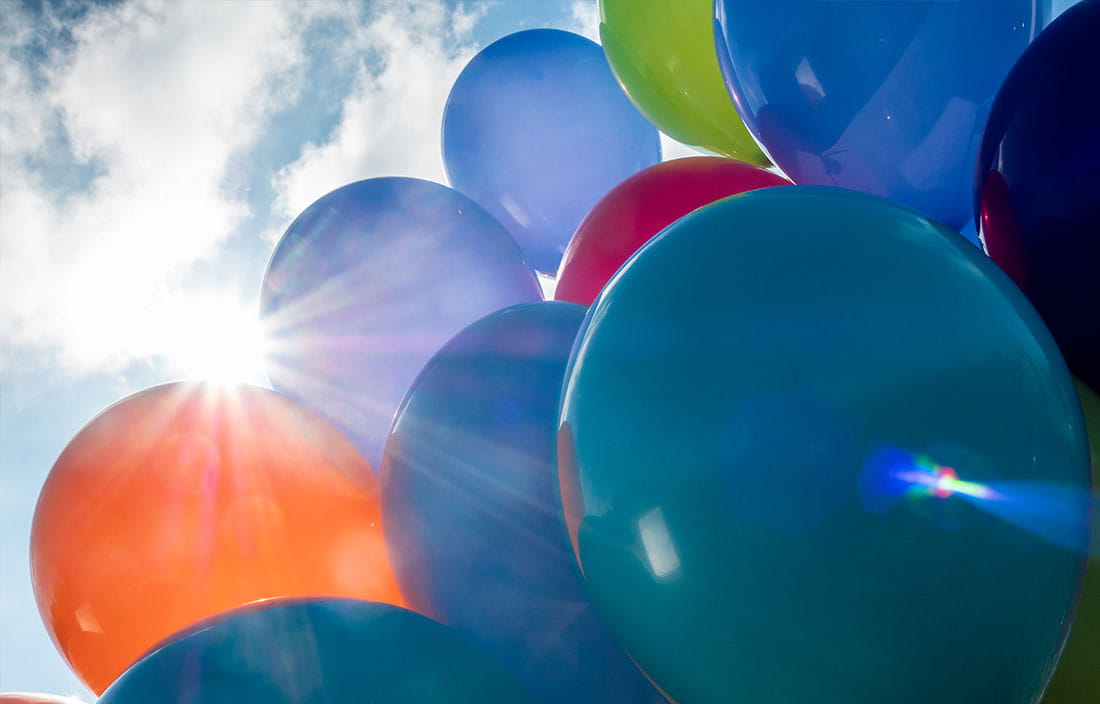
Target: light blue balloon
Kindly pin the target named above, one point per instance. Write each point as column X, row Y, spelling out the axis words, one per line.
column 888, row 98
column 537, row 130
column 316, row 651
column 472, row 513
column 368, row 283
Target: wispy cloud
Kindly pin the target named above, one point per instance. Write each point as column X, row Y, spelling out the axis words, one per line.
column 410, row 54
column 118, row 127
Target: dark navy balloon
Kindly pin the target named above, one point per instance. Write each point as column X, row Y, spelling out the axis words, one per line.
column 471, row 510
column 365, row 286
column 1039, row 182
column 320, row 652
column 536, row 129
column 815, row 448
column 883, row 97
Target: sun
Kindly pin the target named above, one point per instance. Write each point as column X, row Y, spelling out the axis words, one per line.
column 214, row 338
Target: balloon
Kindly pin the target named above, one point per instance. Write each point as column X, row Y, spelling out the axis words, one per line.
column 187, row 499
column 788, row 431
column 321, row 652
column 472, row 515
column 1039, row 183
column 639, row 208
column 883, row 97
column 1077, row 678
column 368, row 283
column 28, row 698
column 970, row 232
column 536, row 130
column 663, row 54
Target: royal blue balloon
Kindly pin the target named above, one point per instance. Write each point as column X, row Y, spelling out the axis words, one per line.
column 536, row 130
column 472, row 515
column 1039, row 182
column 884, row 97
column 320, row 652
column 368, row 283
column 815, row 448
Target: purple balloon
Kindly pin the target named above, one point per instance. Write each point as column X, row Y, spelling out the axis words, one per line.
column 368, row 283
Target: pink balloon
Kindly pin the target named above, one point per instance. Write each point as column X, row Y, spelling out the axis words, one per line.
column 640, row 207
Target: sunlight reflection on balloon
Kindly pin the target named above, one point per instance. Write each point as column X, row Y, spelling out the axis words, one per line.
column 1045, row 510
column 660, row 550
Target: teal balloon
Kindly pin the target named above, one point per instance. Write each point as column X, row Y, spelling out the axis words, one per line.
column 788, row 432
column 317, row 651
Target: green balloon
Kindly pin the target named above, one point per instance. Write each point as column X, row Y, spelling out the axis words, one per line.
column 800, row 437
column 664, row 55
column 1077, row 679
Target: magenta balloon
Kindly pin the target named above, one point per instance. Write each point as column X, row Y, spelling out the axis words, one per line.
column 639, row 208
column 368, row 283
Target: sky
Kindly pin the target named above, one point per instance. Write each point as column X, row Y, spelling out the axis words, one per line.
column 151, row 154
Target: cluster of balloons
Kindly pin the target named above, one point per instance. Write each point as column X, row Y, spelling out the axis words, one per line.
column 772, row 442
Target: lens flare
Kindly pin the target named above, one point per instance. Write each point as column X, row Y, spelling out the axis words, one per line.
column 941, row 482
column 1045, row 510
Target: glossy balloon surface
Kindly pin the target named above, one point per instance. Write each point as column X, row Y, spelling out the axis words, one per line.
column 472, row 513
column 1039, row 190
column 883, row 97
column 663, row 54
column 537, row 130
column 187, row 499
column 1077, row 678
column 368, row 283
column 639, row 208
column 29, row 698
column 321, row 652
column 785, row 428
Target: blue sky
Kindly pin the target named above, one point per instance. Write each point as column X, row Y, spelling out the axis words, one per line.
column 152, row 153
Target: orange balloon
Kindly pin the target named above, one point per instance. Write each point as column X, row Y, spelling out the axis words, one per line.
column 28, row 698
column 188, row 499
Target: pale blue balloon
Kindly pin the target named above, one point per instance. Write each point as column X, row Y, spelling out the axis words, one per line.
column 365, row 286
column 536, row 130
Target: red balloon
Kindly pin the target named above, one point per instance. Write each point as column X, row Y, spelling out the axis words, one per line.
column 640, row 207
column 28, row 698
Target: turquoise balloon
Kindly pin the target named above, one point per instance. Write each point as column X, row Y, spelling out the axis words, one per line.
column 808, row 445
column 315, row 651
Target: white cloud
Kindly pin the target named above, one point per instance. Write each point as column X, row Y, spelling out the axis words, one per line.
column 390, row 123
column 586, row 19
column 671, row 149
column 148, row 103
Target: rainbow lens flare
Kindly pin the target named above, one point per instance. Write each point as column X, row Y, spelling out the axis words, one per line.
column 892, row 475
column 941, row 482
